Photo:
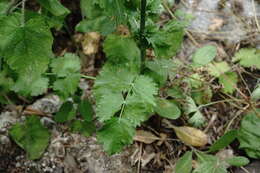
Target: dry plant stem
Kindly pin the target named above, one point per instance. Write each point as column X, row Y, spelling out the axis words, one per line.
column 139, row 158
column 187, row 32
column 169, row 124
column 244, row 169
column 244, row 82
column 11, row 3
column 216, row 102
column 238, row 101
column 255, row 15
column 210, row 124
column 9, row 100
column 237, row 115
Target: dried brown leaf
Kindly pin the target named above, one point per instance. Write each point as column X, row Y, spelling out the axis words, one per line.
column 90, row 43
column 145, row 137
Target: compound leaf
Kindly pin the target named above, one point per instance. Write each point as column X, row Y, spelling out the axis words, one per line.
column 191, row 109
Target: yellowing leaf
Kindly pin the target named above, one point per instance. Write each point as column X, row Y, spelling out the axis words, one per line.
column 191, row 136
column 229, row 81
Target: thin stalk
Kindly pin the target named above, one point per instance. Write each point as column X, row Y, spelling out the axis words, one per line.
column 23, row 12
column 10, row 5
column 82, row 76
column 142, row 29
column 88, row 77
column 124, row 103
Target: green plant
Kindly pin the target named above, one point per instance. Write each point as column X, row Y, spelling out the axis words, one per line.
column 31, row 136
column 29, row 68
column 207, row 163
column 125, row 92
column 130, row 87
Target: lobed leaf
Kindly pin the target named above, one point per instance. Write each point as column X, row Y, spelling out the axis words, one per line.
column 66, row 65
column 248, row 57
column 248, row 136
column 167, row 109
column 115, row 134
column 204, row 55
column 83, row 127
column 66, row 87
column 86, row 110
column 122, row 50
column 31, row 136
column 66, row 113
column 55, row 7
column 229, row 81
column 27, row 49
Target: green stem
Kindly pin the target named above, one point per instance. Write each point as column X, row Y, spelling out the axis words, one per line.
column 124, row 104
column 82, row 75
column 88, row 77
column 142, row 30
